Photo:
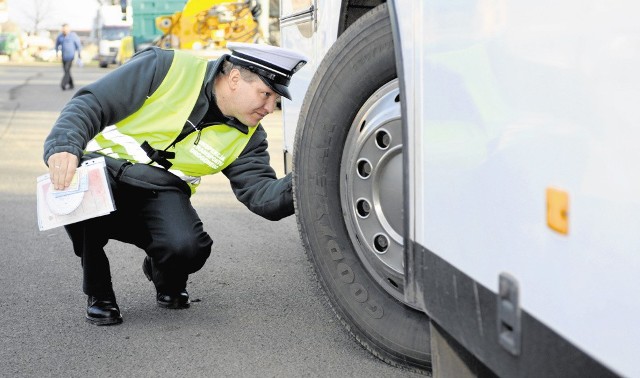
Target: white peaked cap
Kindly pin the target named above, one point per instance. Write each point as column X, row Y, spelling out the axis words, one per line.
column 274, row 65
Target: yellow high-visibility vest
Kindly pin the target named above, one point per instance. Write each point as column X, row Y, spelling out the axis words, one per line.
column 161, row 119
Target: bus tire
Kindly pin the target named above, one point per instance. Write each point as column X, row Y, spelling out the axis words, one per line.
column 357, row 66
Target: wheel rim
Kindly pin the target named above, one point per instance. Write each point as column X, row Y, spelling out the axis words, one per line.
column 371, row 188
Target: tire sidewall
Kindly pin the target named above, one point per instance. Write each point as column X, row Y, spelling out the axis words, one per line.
column 355, row 67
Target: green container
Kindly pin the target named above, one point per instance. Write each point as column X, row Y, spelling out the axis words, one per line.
column 144, row 14
column 9, row 43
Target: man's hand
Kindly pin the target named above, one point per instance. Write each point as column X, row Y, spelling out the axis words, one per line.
column 62, row 167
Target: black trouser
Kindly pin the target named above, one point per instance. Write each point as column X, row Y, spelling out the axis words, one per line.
column 163, row 223
column 67, row 79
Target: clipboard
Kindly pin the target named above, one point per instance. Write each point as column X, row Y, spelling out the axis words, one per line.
column 88, row 196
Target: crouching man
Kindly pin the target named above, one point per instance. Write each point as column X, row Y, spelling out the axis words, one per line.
column 162, row 121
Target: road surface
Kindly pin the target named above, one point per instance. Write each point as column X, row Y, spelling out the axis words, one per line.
column 258, row 310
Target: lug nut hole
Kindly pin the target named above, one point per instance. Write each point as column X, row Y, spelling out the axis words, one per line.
column 381, row 243
column 364, row 169
column 383, row 139
column 363, row 208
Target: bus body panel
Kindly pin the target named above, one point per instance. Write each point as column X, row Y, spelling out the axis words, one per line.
column 509, row 100
column 507, row 105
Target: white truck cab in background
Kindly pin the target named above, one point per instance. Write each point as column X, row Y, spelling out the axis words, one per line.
column 110, row 28
column 466, row 179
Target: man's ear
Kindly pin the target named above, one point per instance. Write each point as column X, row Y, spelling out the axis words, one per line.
column 234, row 78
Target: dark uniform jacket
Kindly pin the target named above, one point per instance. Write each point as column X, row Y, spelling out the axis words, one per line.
column 124, row 90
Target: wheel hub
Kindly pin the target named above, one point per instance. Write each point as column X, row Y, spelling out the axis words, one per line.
column 371, row 188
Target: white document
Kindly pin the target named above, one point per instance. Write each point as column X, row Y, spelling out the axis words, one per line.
column 88, row 196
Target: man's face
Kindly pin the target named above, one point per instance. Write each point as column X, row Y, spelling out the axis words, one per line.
column 65, row 29
column 252, row 101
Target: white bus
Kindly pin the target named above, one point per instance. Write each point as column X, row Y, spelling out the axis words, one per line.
column 467, row 179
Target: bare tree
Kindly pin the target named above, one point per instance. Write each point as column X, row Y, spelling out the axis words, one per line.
column 37, row 14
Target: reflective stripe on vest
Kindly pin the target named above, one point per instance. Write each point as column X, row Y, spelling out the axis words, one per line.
column 160, row 121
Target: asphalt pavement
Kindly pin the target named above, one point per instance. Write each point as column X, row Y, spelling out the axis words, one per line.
column 258, row 310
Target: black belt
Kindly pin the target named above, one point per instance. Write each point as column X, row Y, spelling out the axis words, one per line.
column 141, row 175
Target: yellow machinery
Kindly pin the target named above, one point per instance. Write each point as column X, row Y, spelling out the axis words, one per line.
column 210, row 24
column 126, row 50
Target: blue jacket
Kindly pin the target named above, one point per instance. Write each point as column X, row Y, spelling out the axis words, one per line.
column 69, row 44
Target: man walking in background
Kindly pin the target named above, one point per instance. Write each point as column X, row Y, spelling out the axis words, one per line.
column 68, row 43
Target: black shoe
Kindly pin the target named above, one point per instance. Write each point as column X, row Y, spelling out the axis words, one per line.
column 103, row 311
column 172, row 301
column 146, row 268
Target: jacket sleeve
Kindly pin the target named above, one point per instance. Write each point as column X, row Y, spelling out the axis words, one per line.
column 105, row 102
column 255, row 184
column 78, row 45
